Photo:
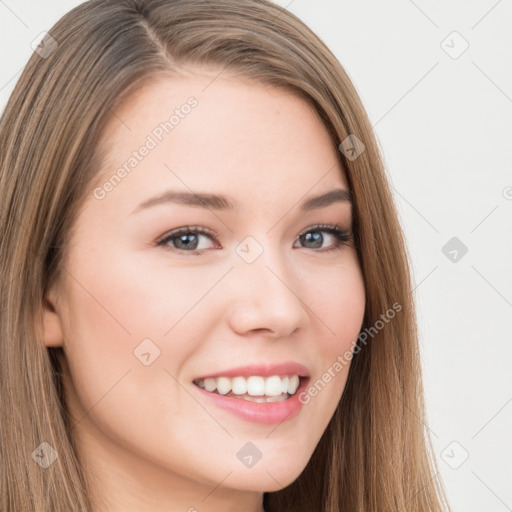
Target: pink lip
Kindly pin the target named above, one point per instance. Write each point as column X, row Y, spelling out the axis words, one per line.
column 266, row 413
column 263, row 370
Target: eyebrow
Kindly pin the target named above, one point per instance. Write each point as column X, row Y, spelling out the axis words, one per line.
column 220, row 202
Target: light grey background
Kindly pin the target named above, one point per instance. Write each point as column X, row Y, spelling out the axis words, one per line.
column 444, row 123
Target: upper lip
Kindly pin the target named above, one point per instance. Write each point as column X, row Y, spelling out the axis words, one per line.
column 263, row 370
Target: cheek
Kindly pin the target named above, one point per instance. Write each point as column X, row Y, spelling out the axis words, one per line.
column 336, row 299
column 111, row 308
column 337, row 302
column 121, row 313
column 121, row 300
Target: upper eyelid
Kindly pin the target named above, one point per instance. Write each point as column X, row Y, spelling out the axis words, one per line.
column 186, row 229
column 206, row 231
column 322, row 227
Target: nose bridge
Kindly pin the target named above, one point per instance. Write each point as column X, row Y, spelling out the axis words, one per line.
column 265, row 292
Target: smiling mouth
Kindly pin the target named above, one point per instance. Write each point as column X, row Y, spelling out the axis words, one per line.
column 275, row 388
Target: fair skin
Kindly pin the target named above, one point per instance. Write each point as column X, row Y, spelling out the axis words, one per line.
column 147, row 439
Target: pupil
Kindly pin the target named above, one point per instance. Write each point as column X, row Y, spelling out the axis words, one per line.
column 316, row 237
column 187, row 243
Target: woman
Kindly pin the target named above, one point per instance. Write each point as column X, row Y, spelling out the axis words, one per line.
column 206, row 301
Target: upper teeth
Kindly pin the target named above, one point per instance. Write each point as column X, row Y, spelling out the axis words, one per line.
column 254, row 385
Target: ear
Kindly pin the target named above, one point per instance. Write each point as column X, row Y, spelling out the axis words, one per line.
column 52, row 325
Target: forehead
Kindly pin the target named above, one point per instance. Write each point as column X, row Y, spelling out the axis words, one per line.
column 215, row 132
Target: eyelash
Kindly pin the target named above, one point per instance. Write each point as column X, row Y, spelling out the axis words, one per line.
column 342, row 236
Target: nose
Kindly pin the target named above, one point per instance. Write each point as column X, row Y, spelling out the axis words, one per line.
column 265, row 297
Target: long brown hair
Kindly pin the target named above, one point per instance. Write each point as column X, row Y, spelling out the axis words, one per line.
column 375, row 455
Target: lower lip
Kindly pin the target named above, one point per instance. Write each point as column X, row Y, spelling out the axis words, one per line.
column 266, row 413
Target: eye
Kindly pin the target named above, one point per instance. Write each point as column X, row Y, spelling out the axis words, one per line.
column 314, row 237
column 187, row 238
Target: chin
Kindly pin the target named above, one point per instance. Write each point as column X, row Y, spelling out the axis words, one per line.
column 268, row 477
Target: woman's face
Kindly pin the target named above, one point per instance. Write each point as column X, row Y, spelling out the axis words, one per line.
column 144, row 310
